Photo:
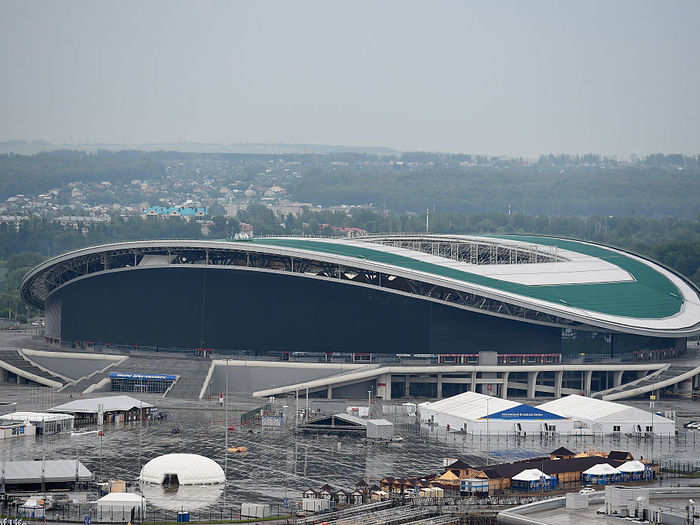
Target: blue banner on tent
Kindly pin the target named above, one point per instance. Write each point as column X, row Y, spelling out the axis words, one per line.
column 523, row 412
column 156, row 377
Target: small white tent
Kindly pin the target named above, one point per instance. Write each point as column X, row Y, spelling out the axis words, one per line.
column 602, row 469
column 531, row 474
column 532, row 479
column 635, row 470
column 601, row 473
column 632, row 466
column 117, row 506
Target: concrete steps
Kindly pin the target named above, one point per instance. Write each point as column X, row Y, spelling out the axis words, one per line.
column 190, row 383
column 15, row 359
column 191, row 372
column 672, row 375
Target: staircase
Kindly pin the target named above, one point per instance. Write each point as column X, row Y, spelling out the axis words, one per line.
column 189, row 384
column 14, row 358
column 191, row 373
column 667, row 377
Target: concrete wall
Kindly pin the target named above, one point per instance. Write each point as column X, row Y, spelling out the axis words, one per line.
column 73, row 368
column 252, row 378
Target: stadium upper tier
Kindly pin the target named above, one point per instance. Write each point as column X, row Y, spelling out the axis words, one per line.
column 540, row 280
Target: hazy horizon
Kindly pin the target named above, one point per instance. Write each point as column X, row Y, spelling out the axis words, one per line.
column 512, row 78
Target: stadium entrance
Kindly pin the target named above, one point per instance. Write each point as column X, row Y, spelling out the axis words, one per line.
column 151, row 383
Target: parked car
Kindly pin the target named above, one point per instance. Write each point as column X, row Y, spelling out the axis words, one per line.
column 587, row 490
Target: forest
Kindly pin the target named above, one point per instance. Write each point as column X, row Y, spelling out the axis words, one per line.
column 648, row 205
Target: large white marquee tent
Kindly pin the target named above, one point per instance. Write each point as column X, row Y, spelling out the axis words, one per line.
column 476, row 413
column 595, row 416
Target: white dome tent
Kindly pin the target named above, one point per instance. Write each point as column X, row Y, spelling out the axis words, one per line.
column 182, row 469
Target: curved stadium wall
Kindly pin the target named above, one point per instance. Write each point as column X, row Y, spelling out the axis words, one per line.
column 408, row 295
column 248, row 310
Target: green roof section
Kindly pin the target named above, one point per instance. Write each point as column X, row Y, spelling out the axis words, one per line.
column 650, row 296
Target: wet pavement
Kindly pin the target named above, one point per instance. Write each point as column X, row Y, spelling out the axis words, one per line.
column 281, row 464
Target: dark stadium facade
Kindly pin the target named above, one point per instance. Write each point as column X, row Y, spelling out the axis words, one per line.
column 379, row 295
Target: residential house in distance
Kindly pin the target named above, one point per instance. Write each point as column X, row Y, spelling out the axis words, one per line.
column 185, row 212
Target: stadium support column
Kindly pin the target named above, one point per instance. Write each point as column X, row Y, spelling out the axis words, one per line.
column 330, row 392
column 617, row 378
column 587, row 382
column 384, row 387
column 439, row 386
column 558, row 377
column 685, row 388
column 531, row 384
column 504, row 387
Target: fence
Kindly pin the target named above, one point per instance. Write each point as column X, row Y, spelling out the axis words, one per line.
column 689, row 439
column 123, row 514
column 662, row 355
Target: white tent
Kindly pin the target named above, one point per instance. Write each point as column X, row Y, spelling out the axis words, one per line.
column 632, row 466
column 531, row 474
column 119, row 504
column 481, row 414
column 108, row 404
column 47, row 423
column 602, row 469
column 595, row 416
column 190, row 469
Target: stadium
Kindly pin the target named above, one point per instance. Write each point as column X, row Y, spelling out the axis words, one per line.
column 451, row 296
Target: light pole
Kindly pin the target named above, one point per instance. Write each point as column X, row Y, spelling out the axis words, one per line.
column 226, row 430
column 488, row 433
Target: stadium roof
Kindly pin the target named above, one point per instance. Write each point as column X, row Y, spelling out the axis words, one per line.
column 570, row 281
column 592, row 278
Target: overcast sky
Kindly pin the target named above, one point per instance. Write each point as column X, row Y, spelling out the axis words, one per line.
column 517, row 78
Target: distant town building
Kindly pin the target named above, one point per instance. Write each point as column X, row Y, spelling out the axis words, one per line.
column 290, row 208
column 76, row 221
column 175, row 211
column 246, row 230
column 347, row 231
column 13, row 220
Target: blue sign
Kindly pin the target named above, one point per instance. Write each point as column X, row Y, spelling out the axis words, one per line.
column 522, row 412
column 156, row 377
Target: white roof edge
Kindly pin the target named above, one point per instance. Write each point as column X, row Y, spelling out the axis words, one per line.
column 685, row 323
